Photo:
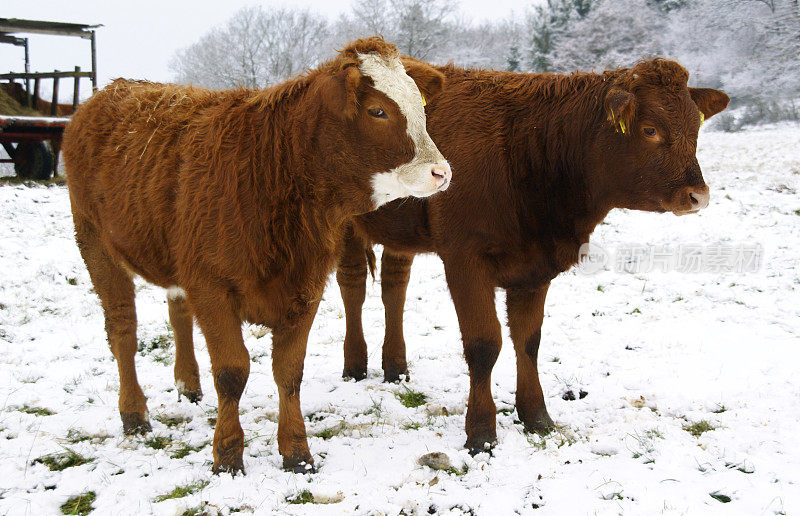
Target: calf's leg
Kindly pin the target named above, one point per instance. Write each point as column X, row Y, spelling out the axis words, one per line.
column 395, row 271
column 115, row 289
column 187, row 374
column 230, row 366
column 473, row 297
column 288, row 357
column 525, row 316
column 352, row 277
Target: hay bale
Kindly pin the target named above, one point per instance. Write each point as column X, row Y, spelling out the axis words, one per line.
column 9, row 106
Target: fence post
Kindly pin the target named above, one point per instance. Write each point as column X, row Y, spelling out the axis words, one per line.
column 35, row 103
column 94, row 63
column 28, row 100
column 77, row 89
column 54, row 105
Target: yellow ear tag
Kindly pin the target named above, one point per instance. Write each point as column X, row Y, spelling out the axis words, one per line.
column 702, row 118
column 424, row 103
column 622, row 126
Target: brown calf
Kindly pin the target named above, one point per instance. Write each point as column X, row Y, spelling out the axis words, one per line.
column 542, row 159
column 237, row 202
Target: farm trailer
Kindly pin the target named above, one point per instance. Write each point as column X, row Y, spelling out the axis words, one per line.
column 31, row 156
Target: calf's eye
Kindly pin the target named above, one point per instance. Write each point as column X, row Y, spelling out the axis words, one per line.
column 378, row 113
column 649, row 131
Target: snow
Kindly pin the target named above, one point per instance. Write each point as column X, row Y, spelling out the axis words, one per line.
column 654, row 351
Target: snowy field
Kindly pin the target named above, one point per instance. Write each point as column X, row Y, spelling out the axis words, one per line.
column 692, row 401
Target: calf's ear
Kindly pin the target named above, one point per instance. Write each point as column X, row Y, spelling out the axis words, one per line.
column 340, row 93
column 430, row 81
column 709, row 101
column 620, row 107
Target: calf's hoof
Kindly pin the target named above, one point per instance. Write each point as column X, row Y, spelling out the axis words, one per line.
column 484, row 444
column 134, row 423
column 486, row 448
column 355, row 373
column 302, row 469
column 193, row 396
column 229, row 461
column 299, row 464
column 395, row 373
column 539, row 423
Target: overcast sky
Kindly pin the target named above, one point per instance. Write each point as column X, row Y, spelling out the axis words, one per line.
column 138, row 38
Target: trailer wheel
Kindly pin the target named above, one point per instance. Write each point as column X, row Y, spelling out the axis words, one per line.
column 33, row 161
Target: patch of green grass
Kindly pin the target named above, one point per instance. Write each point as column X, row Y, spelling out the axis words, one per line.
column 181, row 491
column 410, row 398
column 743, row 467
column 797, row 212
column 601, row 288
column 635, row 311
column 330, row 431
column 62, row 461
column 315, row 417
column 458, row 472
column 201, row 510
column 560, row 436
column 304, row 496
column 36, row 411
column 653, row 433
column 645, row 447
column 720, row 497
column 376, row 409
column 158, row 442
column 158, row 347
column 412, row 426
column 172, row 421
column 76, row 436
column 720, row 409
column 699, row 428
column 185, row 449
column 81, row 504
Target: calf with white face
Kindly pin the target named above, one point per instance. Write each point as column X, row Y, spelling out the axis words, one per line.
column 428, row 171
column 237, row 202
column 379, row 129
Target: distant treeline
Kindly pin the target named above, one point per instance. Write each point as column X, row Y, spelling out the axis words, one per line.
column 749, row 48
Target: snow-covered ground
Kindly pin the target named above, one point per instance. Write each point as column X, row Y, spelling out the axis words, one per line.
column 656, row 352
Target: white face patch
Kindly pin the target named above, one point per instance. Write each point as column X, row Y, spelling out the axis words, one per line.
column 415, row 177
column 175, row 292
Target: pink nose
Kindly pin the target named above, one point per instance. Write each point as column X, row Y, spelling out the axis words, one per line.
column 442, row 175
column 699, row 197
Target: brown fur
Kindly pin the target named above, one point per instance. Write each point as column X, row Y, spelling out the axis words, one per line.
column 540, row 161
column 239, row 197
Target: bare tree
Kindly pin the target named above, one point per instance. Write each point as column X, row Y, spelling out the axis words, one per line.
column 418, row 27
column 750, row 48
column 255, row 48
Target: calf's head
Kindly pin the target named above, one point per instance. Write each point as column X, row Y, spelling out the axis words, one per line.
column 375, row 120
column 649, row 138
